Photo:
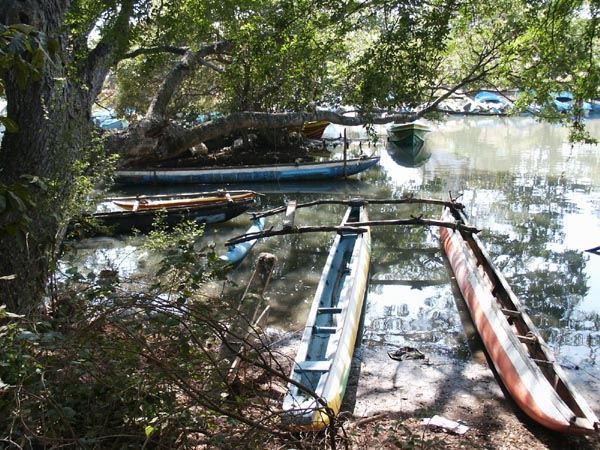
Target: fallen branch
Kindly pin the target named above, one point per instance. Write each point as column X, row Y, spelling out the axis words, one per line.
column 351, row 227
column 298, row 230
column 417, row 221
column 370, row 419
column 391, row 201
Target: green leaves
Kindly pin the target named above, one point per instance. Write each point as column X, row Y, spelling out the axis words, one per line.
column 16, row 205
column 25, row 51
column 11, row 125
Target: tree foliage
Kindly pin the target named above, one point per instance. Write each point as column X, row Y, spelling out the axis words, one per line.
column 173, row 61
column 144, row 356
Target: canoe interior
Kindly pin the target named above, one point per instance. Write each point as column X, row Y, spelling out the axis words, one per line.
column 325, row 353
column 182, row 195
column 326, row 321
column 533, row 369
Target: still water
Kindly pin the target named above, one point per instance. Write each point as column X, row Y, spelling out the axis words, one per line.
column 535, row 197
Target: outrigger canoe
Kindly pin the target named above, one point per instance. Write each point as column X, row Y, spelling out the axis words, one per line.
column 523, row 361
column 145, row 202
column 246, row 174
column 323, row 359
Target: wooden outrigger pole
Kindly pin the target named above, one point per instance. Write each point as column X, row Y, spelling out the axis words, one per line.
column 360, row 227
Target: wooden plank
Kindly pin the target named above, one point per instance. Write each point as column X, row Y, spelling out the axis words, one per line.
column 510, row 312
column 325, row 330
column 528, row 339
column 329, row 310
column 415, row 284
column 313, row 366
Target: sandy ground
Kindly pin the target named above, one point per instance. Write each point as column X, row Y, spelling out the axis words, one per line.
column 388, row 399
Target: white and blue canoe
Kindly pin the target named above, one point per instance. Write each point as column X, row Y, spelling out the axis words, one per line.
column 324, row 357
column 245, row 174
column 236, row 253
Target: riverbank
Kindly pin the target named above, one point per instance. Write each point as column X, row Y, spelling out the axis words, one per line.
column 388, row 400
column 393, row 397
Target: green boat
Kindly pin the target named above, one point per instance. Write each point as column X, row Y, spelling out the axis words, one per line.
column 409, row 138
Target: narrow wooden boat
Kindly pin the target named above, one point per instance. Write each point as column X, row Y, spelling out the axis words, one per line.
column 244, row 174
column 311, row 130
column 236, row 253
column 144, row 202
column 523, row 361
column 315, row 130
column 408, row 137
column 120, row 222
column 323, row 359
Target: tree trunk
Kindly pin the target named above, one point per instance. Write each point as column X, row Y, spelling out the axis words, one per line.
column 54, row 128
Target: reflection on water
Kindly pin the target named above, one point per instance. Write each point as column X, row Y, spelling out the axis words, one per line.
column 535, row 197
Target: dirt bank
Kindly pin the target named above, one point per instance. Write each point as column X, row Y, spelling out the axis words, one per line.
column 391, row 398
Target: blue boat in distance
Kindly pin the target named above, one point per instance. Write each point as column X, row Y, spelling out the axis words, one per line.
column 493, row 102
column 248, row 174
column 565, row 102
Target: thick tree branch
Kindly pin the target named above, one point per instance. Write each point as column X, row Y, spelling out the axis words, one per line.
column 173, row 80
column 113, row 42
column 185, row 139
column 156, row 50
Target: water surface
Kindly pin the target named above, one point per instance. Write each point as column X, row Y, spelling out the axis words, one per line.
column 535, row 197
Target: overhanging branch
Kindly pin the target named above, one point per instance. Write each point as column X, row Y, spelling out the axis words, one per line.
column 189, row 62
column 156, row 50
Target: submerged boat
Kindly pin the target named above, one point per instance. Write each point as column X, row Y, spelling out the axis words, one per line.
column 323, row 359
column 236, row 253
column 523, row 361
column 409, row 138
column 244, row 174
column 120, row 221
column 146, row 202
